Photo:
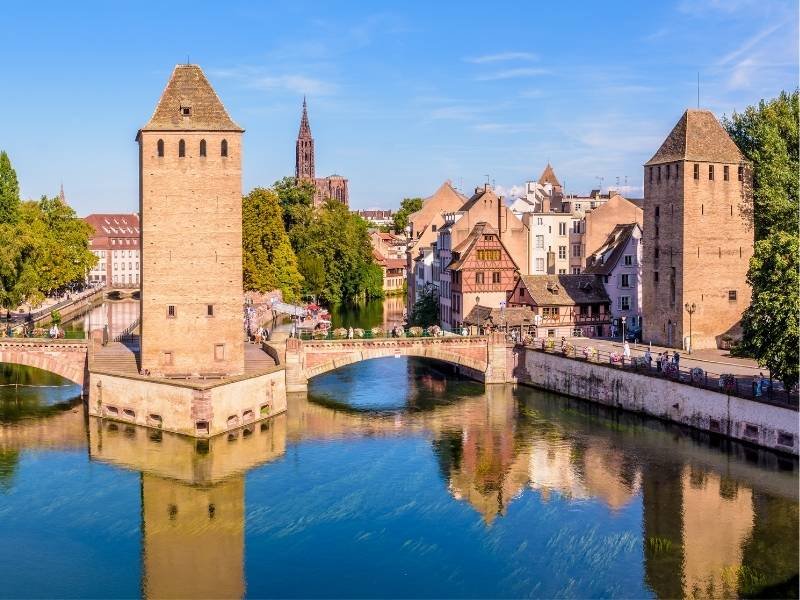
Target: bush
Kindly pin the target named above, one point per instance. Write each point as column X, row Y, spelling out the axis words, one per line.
column 319, row 334
column 550, row 343
column 358, row 332
column 377, row 331
column 434, row 330
column 55, row 317
column 340, row 333
column 415, row 331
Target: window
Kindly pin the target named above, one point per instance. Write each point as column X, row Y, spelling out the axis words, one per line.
column 659, row 173
column 210, row 310
column 160, row 148
column 732, row 295
column 726, row 173
column 741, row 173
column 576, row 270
column 668, row 170
column 562, row 271
column 433, row 227
column 223, row 148
column 651, row 174
column 625, row 280
column 521, row 293
column 696, row 171
column 562, row 229
column 186, row 111
column 655, row 276
column 181, row 149
column 166, row 358
column 479, row 277
column 562, row 252
column 202, row 147
column 711, row 172
column 171, row 311
column 627, row 260
column 540, row 265
column 488, row 254
column 540, row 241
column 658, row 211
column 657, row 252
column 496, row 277
column 219, row 351
column 576, row 227
column 624, row 302
column 576, row 250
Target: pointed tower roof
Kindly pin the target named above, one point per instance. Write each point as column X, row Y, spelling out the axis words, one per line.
column 697, row 136
column 305, row 128
column 61, row 195
column 549, row 176
column 189, row 103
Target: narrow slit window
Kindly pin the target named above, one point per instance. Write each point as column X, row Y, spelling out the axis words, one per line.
column 223, row 148
column 696, row 171
column 160, row 148
column 711, row 172
column 171, row 311
column 726, row 175
column 210, row 310
column 182, row 149
column 202, row 147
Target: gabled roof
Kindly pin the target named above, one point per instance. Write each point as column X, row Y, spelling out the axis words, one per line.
column 564, row 290
column 549, row 176
column 114, row 224
column 189, row 88
column 513, row 316
column 446, row 195
column 481, row 193
column 697, row 136
column 605, row 258
column 464, row 249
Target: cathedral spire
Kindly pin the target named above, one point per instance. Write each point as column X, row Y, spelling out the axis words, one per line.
column 61, row 194
column 305, row 128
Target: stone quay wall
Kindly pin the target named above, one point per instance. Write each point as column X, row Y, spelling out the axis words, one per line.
column 765, row 425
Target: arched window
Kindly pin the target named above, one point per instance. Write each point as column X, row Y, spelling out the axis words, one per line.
column 202, row 147
column 223, row 150
column 160, row 148
column 181, row 148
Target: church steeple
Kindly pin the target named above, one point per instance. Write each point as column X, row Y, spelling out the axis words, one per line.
column 304, row 150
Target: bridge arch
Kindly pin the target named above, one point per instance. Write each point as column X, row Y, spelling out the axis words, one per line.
column 63, row 359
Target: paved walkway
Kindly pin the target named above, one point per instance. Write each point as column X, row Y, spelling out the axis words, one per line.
column 718, row 361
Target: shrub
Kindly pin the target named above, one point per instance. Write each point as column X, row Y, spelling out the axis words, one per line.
column 415, row 331
column 434, row 330
column 340, row 333
column 319, row 334
column 377, row 331
column 358, row 332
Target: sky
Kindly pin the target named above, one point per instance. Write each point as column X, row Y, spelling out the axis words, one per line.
column 402, row 96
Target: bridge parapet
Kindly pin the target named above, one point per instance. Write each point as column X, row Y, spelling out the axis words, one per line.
column 481, row 357
column 67, row 358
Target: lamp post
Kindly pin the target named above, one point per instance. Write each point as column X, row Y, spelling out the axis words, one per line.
column 690, row 308
column 623, row 319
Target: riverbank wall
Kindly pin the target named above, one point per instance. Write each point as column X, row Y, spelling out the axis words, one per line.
column 766, row 425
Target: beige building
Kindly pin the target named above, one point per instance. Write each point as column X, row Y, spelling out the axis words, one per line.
column 190, row 202
column 115, row 243
column 697, row 238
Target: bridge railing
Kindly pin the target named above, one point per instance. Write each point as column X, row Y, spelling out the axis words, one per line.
column 40, row 333
column 742, row 386
column 375, row 333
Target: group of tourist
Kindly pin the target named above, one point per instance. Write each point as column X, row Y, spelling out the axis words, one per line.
column 663, row 359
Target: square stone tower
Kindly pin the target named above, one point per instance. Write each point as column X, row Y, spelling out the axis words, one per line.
column 697, row 235
column 190, row 203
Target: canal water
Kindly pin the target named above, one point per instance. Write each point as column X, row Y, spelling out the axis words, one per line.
column 389, row 478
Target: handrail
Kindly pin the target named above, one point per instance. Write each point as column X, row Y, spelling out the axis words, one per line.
column 127, row 332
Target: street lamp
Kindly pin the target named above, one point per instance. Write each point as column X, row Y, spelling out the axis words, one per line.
column 690, row 308
column 623, row 319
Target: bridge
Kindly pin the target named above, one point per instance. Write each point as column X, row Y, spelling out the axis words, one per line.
column 481, row 357
column 67, row 358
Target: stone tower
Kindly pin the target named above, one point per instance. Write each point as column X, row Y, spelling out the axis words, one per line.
column 190, row 202
column 304, row 150
column 698, row 237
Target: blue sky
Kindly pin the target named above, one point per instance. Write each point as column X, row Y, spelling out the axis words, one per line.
column 401, row 95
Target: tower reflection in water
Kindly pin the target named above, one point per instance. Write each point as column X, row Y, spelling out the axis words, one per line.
column 192, row 502
column 708, row 516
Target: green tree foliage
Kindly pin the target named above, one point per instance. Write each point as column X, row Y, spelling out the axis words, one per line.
column 407, row 206
column 339, row 240
column 425, row 311
column 9, row 190
column 297, row 203
column 268, row 257
column 44, row 250
column 770, row 323
column 767, row 134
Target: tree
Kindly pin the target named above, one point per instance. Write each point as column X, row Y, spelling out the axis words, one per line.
column 407, row 207
column 9, row 190
column 425, row 311
column 767, row 135
column 770, row 323
column 269, row 262
column 297, row 203
column 46, row 249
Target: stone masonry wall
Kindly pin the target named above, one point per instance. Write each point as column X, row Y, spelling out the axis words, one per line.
column 762, row 424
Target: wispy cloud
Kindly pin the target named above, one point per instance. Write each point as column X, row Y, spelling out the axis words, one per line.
column 749, row 44
column 501, row 56
column 513, row 74
column 257, row 78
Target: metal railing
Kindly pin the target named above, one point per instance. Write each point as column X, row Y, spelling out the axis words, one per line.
column 741, row 386
column 35, row 315
column 127, row 333
column 367, row 334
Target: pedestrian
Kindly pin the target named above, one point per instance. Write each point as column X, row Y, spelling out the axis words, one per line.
column 648, row 358
column 676, row 358
column 563, row 343
column 626, row 352
column 758, row 384
column 349, row 333
column 660, row 361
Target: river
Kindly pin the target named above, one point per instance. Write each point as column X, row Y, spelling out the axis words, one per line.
column 389, row 478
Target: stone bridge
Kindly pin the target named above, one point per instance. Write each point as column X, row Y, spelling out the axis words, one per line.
column 67, row 358
column 481, row 357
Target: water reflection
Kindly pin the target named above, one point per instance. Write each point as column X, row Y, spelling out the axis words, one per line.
column 114, row 314
column 386, row 312
column 444, row 489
